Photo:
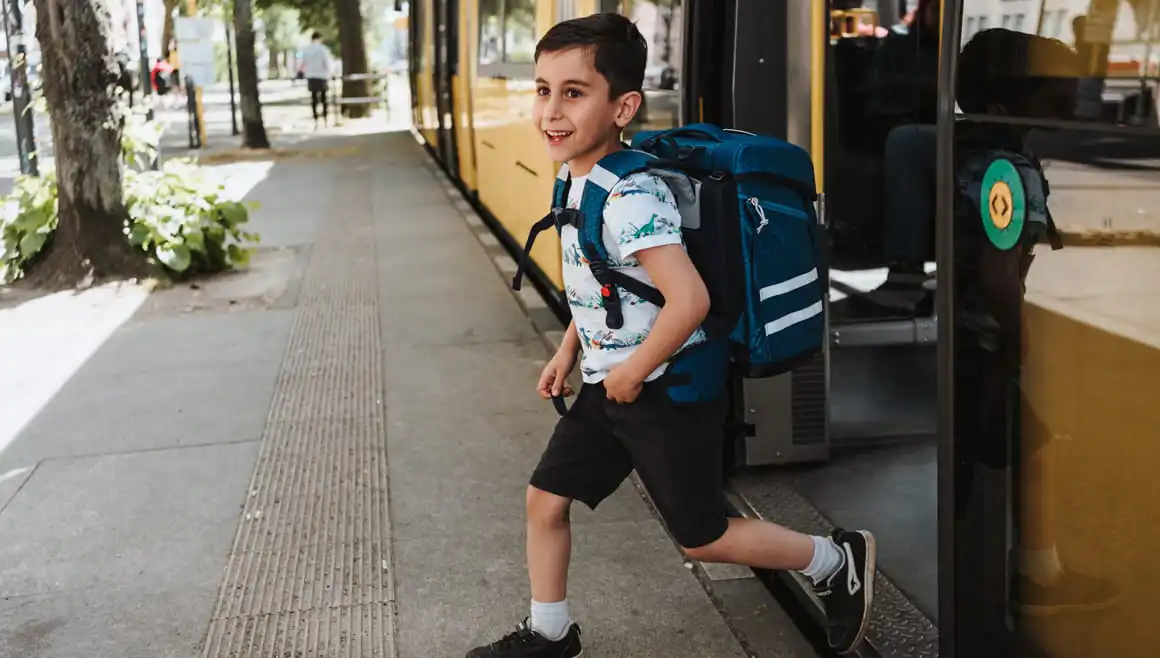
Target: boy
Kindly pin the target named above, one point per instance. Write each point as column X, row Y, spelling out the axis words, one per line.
column 588, row 88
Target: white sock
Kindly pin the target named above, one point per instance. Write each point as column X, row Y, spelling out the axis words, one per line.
column 826, row 561
column 1042, row 565
column 551, row 619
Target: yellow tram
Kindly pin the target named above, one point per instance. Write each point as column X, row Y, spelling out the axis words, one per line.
column 1042, row 548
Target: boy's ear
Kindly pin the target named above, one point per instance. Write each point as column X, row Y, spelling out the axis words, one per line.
column 626, row 107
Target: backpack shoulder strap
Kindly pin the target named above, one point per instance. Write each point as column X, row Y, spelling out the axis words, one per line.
column 557, row 216
column 604, row 176
column 561, row 186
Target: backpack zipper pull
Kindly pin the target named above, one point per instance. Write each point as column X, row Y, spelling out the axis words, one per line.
column 760, row 213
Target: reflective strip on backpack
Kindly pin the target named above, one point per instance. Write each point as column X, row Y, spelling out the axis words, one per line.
column 789, row 285
column 789, row 320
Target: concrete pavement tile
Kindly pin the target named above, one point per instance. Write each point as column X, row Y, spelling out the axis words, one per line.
column 166, row 345
column 467, row 380
column 293, row 200
column 143, row 411
column 151, row 521
column 451, row 475
column 427, row 223
column 441, row 250
column 470, row 315
column 629, row 599
column 107, row 622
column 10, row 482
column 764, row 624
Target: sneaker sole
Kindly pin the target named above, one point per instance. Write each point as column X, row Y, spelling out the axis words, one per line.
column 867, row 590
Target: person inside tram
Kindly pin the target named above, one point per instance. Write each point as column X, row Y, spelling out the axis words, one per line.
column 589, row 74
column 1004, row 73
column 902, row 98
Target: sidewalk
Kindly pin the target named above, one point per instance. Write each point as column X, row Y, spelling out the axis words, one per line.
column 327, row 456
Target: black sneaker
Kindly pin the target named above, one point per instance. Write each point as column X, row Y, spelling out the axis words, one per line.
column 848, row 594
column 526, row 643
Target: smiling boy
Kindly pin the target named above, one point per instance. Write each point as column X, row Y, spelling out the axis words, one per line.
column 589, row 73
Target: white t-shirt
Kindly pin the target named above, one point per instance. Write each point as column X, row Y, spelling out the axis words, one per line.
column 316, row 61
column 640, row 213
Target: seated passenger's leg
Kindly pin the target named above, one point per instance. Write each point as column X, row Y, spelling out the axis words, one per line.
column 908, row 195
column 908, row 208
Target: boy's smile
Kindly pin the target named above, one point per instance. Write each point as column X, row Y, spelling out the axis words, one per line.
column 573, row 111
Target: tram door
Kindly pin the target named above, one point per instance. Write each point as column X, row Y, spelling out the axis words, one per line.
column 446, row 60
column 1050, row 364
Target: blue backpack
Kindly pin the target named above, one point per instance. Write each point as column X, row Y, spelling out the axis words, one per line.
column 750, row 228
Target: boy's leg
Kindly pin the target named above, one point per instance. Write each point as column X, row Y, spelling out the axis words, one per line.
column 677, row 452
column 583, row 461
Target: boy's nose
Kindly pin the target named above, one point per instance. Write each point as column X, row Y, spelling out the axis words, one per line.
column 552, row 111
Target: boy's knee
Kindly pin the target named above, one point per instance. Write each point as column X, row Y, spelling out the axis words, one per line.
column 710, row 552
column 547, row 508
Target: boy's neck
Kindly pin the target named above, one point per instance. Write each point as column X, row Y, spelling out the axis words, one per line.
column 583, row 164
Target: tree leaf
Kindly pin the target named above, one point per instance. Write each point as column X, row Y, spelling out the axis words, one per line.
column 31, row 243
column 176, row 257
column 239, row 257
column 234, row 213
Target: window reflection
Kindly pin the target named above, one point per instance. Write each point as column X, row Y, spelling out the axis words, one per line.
column 661, row 22
column 881, row 100
column 520, row 31
column 1057, row 346
column 507, row 37
column 490, row 40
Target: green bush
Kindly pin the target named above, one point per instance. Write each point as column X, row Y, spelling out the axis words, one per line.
column 178, row 215
column 27, row 220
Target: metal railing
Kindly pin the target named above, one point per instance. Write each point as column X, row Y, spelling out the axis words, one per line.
column 381, row 98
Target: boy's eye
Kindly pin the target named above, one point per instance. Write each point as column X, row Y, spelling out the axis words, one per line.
column 542, row 91
column 574, row 93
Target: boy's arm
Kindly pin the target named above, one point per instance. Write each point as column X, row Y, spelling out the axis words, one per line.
column 686, row 305
column 646, row 202
column 571, row 340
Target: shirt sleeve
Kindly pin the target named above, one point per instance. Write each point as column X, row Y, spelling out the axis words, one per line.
column 641, row 213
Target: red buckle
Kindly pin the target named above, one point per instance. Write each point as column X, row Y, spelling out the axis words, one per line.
column 606, row 291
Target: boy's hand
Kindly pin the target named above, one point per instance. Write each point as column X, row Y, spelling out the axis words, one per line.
column 553, row 380
column 622, row 385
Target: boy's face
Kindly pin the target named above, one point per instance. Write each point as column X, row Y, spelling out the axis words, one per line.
column 573, row 112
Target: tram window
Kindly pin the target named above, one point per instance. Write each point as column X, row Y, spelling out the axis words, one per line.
column 519, row 31
column 881, row 83
column 490, row 39
column 507, row 38
column 661, row 22
column 1064, row 463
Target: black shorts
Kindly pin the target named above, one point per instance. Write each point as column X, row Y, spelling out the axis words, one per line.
column 675, row 449
column 316, row 84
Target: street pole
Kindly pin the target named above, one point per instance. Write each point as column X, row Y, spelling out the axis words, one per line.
column 230, row 67
column 18, row 69
column 143, row 47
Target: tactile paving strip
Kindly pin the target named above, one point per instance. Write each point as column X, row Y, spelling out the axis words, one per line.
column 897, row 628
column 310, row 572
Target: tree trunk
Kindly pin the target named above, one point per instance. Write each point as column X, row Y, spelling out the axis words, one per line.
column 354, row 54
column 253, row 129
column 167, row 27
column 79, row 81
